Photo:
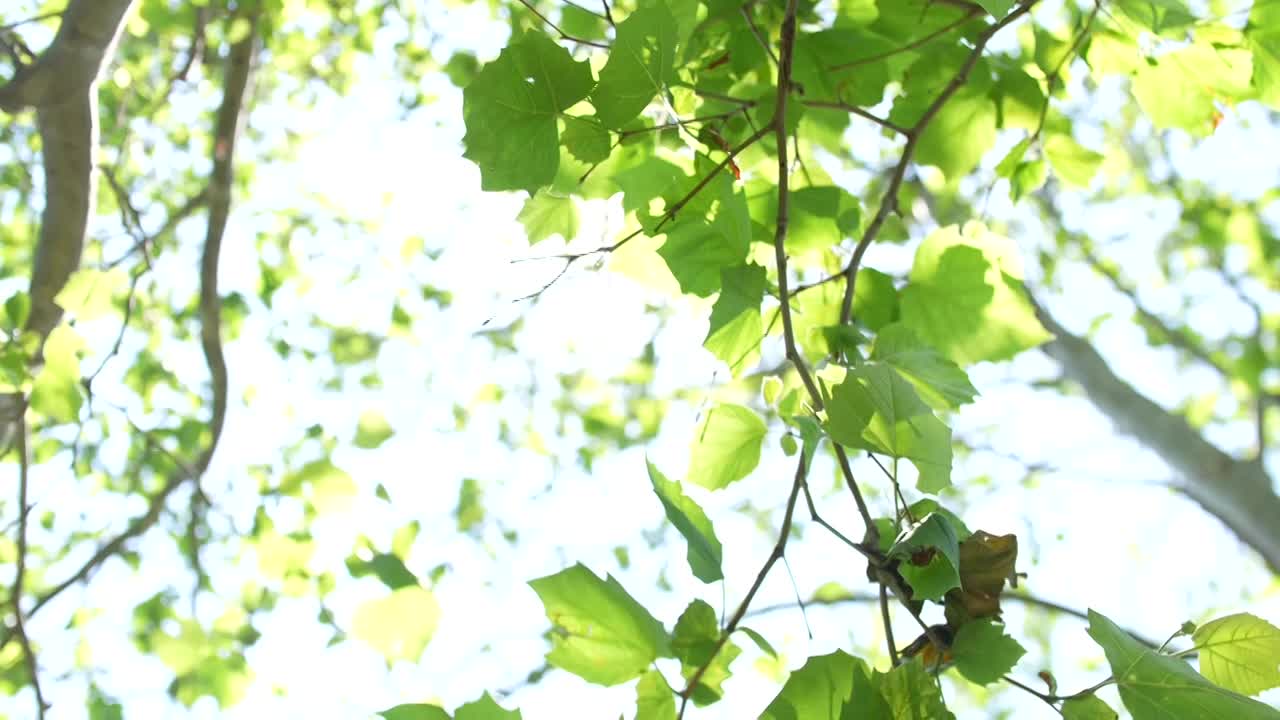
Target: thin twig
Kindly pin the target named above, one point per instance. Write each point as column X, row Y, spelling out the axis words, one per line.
column 20, row 570
column 971, row 14
column 890, row 199
column 755, row 31
column 33, row 19
column 779, row 549
column 563, row 35
column 668, row 215
column 854, row 109
column 887, row 621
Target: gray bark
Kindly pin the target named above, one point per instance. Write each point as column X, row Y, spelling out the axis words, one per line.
column 61, row 86
column 1238, row 492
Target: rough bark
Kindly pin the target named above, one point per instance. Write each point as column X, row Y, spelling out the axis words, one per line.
column 61, row 86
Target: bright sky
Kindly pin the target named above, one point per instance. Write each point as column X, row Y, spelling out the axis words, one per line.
column 1101, row 533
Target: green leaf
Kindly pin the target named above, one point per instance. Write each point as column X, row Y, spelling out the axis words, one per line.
column 470, row 509
column 17, row 308
column 912, row 693
column 998, row 8
column 654, row 698
column 1087, row 707
column 960, row 134
column 1155, row 686
column 760, row 641
column 930, row 555
column 1163, row 93
column 696, row 251
column 704, row 555
column 1262, row 35
column 1027, row 178
column 599, row 632
column 818, row 690
column 372, row 430
column 695, row 635
column 940, row 382
column 820, row 217
column 1006, row 167
column 646, row 180
column 736, row 325
column 585, row 138
column 89, row 292
column 57, row 391
column 875, row 300
column 510, row 111
column 545, row 214
column 415, row 711
column 399, row 625
column 484, row 708
column 876, row 409
column 1073, row 163
column 641, row 63
column 580, row 23
column 727, row 446
column 388, row 568
column 695, row 638
column 983, row 652
column 1240, row 652
column 1156, row 15
column 966, row 297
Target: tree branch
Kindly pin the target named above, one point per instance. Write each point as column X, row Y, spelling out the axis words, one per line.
column 20, row 570
column 890, row 199
column 237, row 73
column 1237, row 492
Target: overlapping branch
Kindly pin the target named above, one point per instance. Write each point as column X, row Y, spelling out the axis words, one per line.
column 229, row 116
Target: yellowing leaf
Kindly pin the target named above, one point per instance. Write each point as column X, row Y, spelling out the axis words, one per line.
column 399, row 625
column 89, row 292
column 372, row 430
column 58, row 391
column 1240, row 652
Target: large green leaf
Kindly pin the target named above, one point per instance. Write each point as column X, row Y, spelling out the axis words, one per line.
column 1087, row 707
column 984, row 652
column 1263, row 36
column 600, row 633
column 876, row 409
column 705, row 554
column 545, row 214
column 1157, row 687
column 940, row 382
column 57, row 391
column 817, row 691
column 912, row 693
column 960, row 134
column 654, row 699
column 1240, row 652
column 727, row 446
column 399, row 625
column 696, row 251
column 1071, row 161
column 510, row 110
column 736, row 325
column 484, row 708
column 966, row 297
column 694, row 640
column 641, row 62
